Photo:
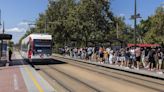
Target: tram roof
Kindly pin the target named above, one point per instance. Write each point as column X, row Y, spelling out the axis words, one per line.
column 40, row 36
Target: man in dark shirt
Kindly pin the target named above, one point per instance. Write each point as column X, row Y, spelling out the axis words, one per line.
column 151, row 59
column 10, row 53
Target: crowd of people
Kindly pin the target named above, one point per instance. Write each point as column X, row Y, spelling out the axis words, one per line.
column 129, row 57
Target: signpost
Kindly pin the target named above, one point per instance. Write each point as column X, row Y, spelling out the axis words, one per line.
column 135, row 17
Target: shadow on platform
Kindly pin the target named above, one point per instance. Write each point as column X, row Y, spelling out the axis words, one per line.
column 17, row 62
column 45, row 62
column 3, row 63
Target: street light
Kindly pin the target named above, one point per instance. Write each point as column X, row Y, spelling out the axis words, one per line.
column 135, row 17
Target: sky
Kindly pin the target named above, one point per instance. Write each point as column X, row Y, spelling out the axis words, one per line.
column 126, row 8
column 17, row 14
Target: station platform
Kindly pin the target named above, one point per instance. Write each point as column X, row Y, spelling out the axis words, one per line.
column 141, row 71
column 18, row 76
column 22, row 79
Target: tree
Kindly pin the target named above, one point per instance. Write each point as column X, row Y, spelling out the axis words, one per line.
column 152, row 28
column 83, row 20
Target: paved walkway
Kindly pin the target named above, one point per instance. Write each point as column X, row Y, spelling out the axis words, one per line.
column 11, row 80
column 22, row 78
column 3, row 61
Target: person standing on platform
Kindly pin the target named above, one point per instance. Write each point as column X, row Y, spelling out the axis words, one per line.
column 127, row 58
column 10, row 52
column 138, row 56
column 151, row 59
column 159, row 61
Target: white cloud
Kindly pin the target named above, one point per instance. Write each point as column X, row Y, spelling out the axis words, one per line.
column 163, row 6
column 122, row 15
column 26, row 25
column 23, row 24
column 15, row 29
column 20, row 27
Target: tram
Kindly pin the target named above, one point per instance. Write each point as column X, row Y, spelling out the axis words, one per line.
column 37, row 46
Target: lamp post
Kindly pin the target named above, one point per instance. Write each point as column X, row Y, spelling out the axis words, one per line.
column 135, row 17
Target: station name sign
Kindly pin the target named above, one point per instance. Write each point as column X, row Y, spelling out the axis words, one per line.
column 5, row 36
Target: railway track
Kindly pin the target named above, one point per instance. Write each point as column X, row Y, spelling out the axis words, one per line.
column 78, row 84
column 63, row 77
column 82, row 85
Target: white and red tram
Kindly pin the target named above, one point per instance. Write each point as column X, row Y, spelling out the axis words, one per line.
column 37, row 46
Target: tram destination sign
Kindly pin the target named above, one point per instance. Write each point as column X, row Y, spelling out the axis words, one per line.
column 5, row 36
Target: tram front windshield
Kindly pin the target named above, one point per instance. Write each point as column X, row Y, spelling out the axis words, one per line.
column 42, row 46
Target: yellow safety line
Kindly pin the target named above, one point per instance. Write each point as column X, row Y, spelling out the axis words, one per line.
column 34, row 80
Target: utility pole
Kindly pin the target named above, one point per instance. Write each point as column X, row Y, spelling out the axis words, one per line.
column 135, row 16
column 0, row 17
column 1, row 40
column 135, row 21
column 3, row 31
column 45, row 25
column 117, row 30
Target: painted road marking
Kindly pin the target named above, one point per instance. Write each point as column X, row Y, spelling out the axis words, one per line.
column 29, row 83
column 16, row 86
column 34, row 80
column 44, row 84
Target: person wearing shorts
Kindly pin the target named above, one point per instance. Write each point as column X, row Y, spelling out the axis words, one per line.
column 89, row 51
column 143, row 57
column 111, row 57
column 138, row 56
column 132, row 57
column 116, row 55
column 122, row 57
column 106, row 56
column 127, row 58
column 101, row 54
column 159, row 62
column 151, row 59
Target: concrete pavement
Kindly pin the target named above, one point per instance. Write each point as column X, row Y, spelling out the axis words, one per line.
column 21, row 77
